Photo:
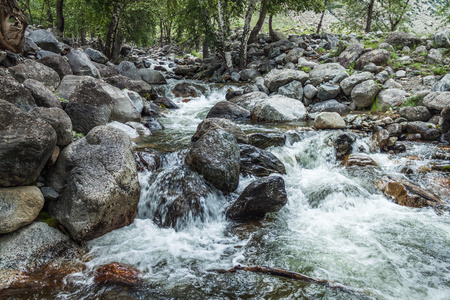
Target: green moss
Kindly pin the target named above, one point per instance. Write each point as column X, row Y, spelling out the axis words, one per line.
column 416, row 66
column 320, row 50
column 413, row 101
column 77, row 135
column 46, row 218
column 439, row 70
column 306, row 69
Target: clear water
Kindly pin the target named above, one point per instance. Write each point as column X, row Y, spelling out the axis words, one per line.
column 335, row 226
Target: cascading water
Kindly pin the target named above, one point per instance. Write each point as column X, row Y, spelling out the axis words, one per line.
column 335, row 226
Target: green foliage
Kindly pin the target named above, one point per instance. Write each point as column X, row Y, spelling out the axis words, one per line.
column 413, row 101
column 77, row 135
column 61, row 99
column 439, row 70
column 46, row 218
column 372, row 43
column 306, row 69
column 320, row 50
column 416, row 66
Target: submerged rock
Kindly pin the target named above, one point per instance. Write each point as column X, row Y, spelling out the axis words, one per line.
column 262, row 196
column 259, row 162
column 344, row 145
column 220, row 123
column 118, row 274
column 266, row 140
column 359, row 159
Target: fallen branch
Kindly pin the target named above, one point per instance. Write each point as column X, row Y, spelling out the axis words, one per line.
column 297, row 276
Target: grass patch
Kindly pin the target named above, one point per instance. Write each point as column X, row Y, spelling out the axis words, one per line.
column 439, row 70
column 306, row 69
column 77, row 135
column 46, row 218
column 412, row 101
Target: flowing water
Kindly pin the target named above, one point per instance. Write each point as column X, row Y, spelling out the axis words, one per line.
column 335, row 226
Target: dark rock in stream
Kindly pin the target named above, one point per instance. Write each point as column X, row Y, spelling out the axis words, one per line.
column 358, row 159
column 260, row 197
column 146, row 161
column 185, row 90
column 165, row 103
column 259, row 162
column 228, row 110
column 117, row 273
column 266, row 140
column 220, row 123
column 344, row 145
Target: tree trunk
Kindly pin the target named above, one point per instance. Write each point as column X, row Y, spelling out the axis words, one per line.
column 60, row 15
column 112, row 31
column 12, row 26
column 49, row 13
column 224, row 39
column 116, row 48
column 369, row 16
column 244, row 40
column 205, row 49
column 271, row 33
column 262, row 16
column 321, row 17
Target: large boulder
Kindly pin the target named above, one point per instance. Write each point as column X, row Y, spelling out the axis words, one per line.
column 441, row 38
column 293, row 90
column 390, row 98
column 26, row 143
column 249, row 74
column 378, row 57
column 59, row 120
column 263, row 196
column 259, row 162
column 37, row 71
column 415, row 113
column 139, row 86
column 279, row 77
column 443, row 85
column 364, row 94
column 106, row 70
column 407, row 194
column 278, row 108
column 58, row 63
column 98, row 183
column 68, row 85
column 46, row 40
column 123, row 109
column 14, row 92
column 437, row 100
column 358, row 160
column 249, row 101
column 266, row 140
column 330, row 106
column 329, row 120
column 129, row 70
column 19, row 206
column 351, row 54
column 228, row 110
column 216, row 156
column 96, row 56
column 349, row 83
column 41, row 94
column 81, row 64
column 220, row 123
column 152, row 76
column 294, row 55
column 176, row 197
column 186, row 90
column 332, row 72
column 327, row 91
column 427, row 131
column 402, row 39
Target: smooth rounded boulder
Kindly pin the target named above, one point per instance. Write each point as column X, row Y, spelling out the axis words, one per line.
column 59, row 120
column 220, row 123
column 26, row 143
column 37, row 71
column 228, row 110
column 329, row 120
column 81, row 64
column 278, row 108
column 41, row 94
column 258, row 162
column 98, row 183
column 364, row 94
column 14, row 92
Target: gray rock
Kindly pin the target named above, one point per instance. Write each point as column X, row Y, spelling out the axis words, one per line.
column 372, row 68
column 415, row 113
column 165, row 102
column 401, row 74
column 59, row 120
column 386, row 46
column 359, row 160
column 60, row 64
column 30, row 47
column 249, row 74
column 152, row 76
column 382, row 77
column 392, row 84
column 41, row 94
column 19, row 206
column 294, row 55
column 328, row 91
column 402, row 39
column 186, row 89
column 129, row 70
column 365, row 93
column 68, row 85
column 434, row 57
column 96, row 56
column 216, row 156
column 279, row 77
column 228, row 110
column 394, row 129
column 266, row 140
column 378, row 57
column 278, row 108
column 259, row 82
column 97, row 179
column 46, row 40
column 26, row 144
column 44, row 53
column 259, row 162
column 49, row 193
column 330, row 106
column 139, row 86
column 293, row 90
column 123, row 109
column 329, row 120
column 262, row 196
column 249, row 101
column 14, row 92
column 328, row 72
column 344, row 144
column 37, row 71
column 350, row 54
column 81, row 64
column 380, row 139
column 441, row 38
column 136, row 99
column 437, row 100
column 310, row 91
column 390, row 98
column 443, row 85
column 220, row 123
column 427, row 131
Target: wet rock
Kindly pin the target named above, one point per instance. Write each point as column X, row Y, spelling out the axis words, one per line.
column 380, row 139
column 349, row 83
column 427, row 131
column 41, row 94
column 394, row 129
column 279, row 77
column 390, row 98
column 378, row 57
column 152, row 76
column 58, row 63
column 332, row 72
column 220, row 123
column 96, row 56
column 278, row 109
column 329, row 120
column 81, row 64
column 165, row 103
column 330, row 106
column 437, row 100
column 136, row 99
column 185, row 90
column 19, row 206
column 37, row 71
column 263, row 196
column 216, row 156
column 266, row 140
column 406, row 193
column 228, row 110
column 259, row 162
column 117, row 274
column 364, row 94
column 359, row 160
column 151, row 110
column 249, row 101
column 15, row 93
column 351, row 54
column 146, row 161
column 415, row 113
column 46, row 40
column 26, row 143
column 344, row 145
column 292, row 90
column 97, row 179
